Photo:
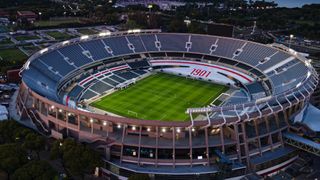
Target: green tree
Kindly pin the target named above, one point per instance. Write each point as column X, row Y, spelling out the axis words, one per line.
column 139, row 177
column 177, row 25
column 12, row 156
column 35, row 170
column 34, row 142
column 77, row 158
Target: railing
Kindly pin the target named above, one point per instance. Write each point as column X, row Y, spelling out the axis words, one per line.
column 302, row 143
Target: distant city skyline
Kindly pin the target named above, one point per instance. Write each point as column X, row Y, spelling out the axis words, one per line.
column 294, row 3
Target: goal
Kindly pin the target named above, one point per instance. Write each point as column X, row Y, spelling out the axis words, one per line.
column 132, row 113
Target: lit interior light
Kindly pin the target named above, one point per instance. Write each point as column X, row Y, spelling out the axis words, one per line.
column 105, row 34
column 27, row 65
column 84, row 37
column 308, row 74
column 136, row 30
column 43, row 50
column 119, row 126
column 104, row 123
column 298, row 85
column 178, row 130
column 65, row 42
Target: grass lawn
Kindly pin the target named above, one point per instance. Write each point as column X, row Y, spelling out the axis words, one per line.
column 6, row 41
column 26, row 37
column 12, row 54
column 31, row 49
column 57, row 22
column 87, row 31
column 59, row 35
column 11, row 58
column 160, row 97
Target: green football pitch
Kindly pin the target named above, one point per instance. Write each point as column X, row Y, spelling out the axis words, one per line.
column 160, row 97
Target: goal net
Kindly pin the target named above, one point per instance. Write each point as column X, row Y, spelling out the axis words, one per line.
column 132, row 113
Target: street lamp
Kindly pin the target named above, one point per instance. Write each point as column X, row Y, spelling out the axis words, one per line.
column 291, row 36
column 40, row 13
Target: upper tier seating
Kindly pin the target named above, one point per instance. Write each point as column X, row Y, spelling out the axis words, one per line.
column 139, row 64
column 74, row 53
column 55, row 60
column 97, row 49
column 52, row 66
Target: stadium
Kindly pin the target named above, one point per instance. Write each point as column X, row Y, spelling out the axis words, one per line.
column 170, row 105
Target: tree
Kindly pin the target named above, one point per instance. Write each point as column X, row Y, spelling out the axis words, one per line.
column 35, row 170
column 139, row 177
column 34, row 142
column 77, row 158
column 11, row 131
column 12, row 156
column 177, row 25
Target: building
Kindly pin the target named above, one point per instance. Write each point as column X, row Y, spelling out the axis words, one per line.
column 244, row 134
column 13, row 75
column 26, row 16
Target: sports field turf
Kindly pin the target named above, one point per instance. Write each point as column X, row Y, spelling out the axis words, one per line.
column 59, row 35
column 160, row 97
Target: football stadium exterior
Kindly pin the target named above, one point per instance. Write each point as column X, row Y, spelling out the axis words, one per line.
column 242, row 135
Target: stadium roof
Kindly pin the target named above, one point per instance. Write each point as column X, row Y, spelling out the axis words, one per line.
column 311, row 118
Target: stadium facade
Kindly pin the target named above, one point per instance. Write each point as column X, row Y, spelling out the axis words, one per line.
column 242, row 135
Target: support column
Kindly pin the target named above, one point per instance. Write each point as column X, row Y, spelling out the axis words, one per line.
column 139, row 148
column 174, row 146
column 268, row 129
column 190, row 145
column 245, row 144
column 157, row 143
column 222, row 139
column 122, row 140
column 40, row 107
column 238, row 141
column 207, row 145
column 79, row 121
column 67, row 123
column 258, row 135
column 281, row 138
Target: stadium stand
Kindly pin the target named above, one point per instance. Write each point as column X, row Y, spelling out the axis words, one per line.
column 244, row 131
column 139, row 64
